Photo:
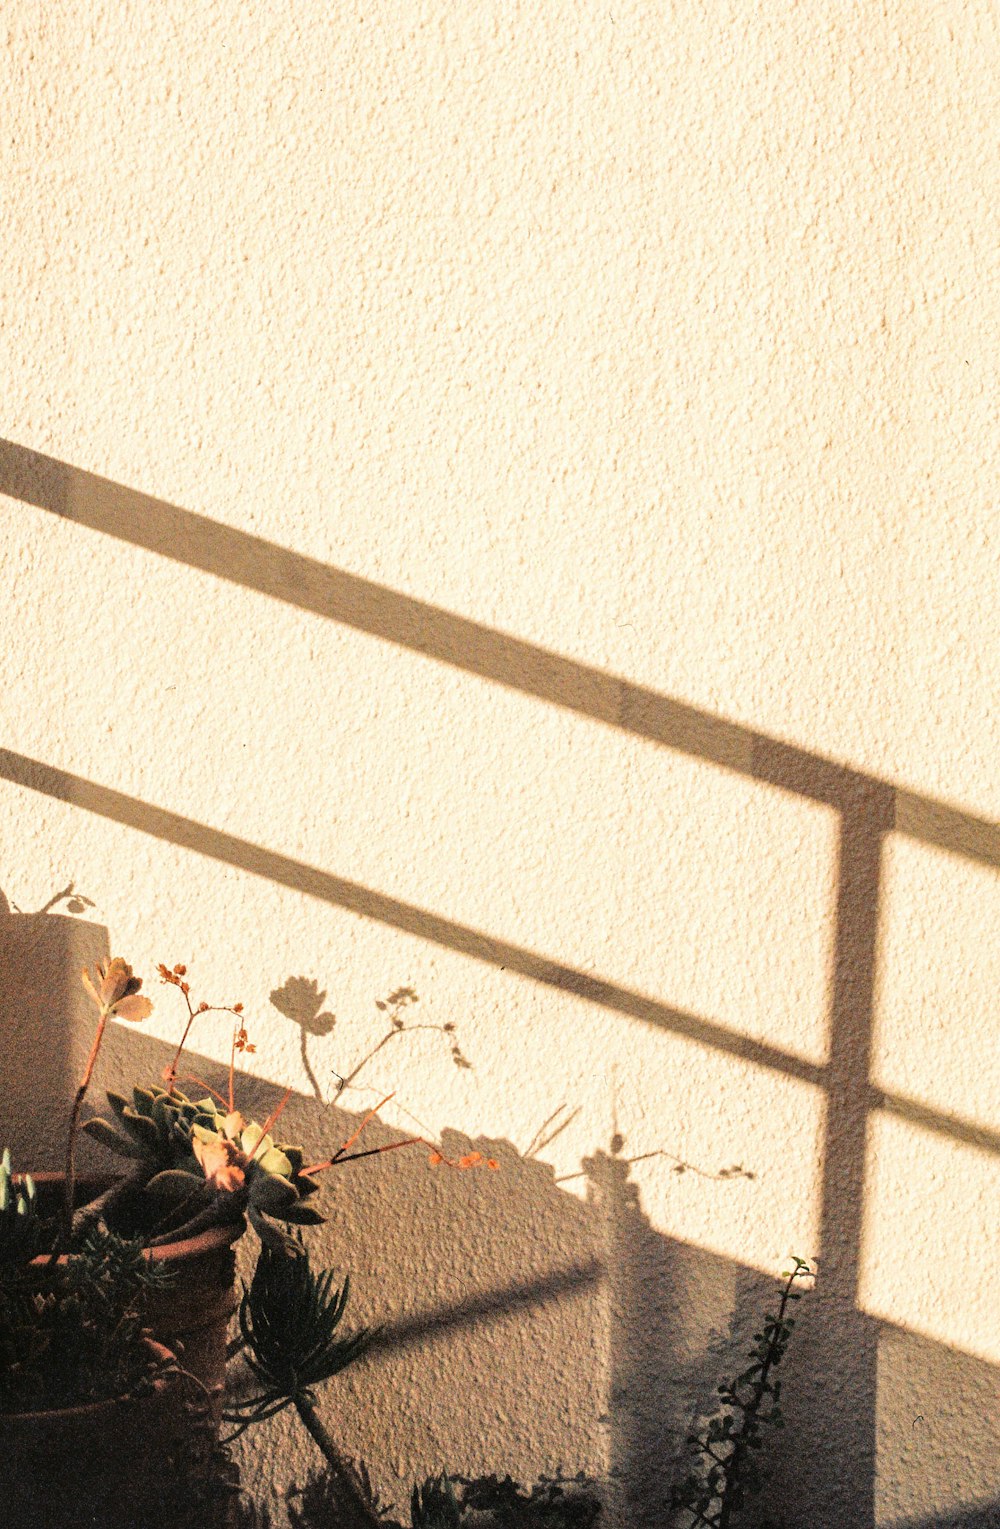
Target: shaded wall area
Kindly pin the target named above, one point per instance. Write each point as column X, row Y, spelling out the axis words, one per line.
column 524, row 1328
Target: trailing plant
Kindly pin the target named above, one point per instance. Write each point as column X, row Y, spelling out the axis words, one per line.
column 550, row 1503
column 443, row 1502
column 725, row 1470
column 323, row 1504
column 433, row 1505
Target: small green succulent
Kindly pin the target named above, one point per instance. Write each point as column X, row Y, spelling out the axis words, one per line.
column 20, row 1222
column 154, row 1129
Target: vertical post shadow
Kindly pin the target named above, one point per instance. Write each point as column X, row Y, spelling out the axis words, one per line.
column 839, row 1390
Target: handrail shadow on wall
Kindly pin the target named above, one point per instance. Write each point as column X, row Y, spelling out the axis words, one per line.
column 868, row 809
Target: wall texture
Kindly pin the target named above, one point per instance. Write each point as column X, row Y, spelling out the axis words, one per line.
column 501, row 500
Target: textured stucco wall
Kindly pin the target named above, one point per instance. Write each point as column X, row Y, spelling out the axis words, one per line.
column 501, row 500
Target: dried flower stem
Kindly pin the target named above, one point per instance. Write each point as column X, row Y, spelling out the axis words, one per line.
column 370, row 1116
column 352, row 1157
column 190, row 1077
column 66, row 1230
column 271, row 1119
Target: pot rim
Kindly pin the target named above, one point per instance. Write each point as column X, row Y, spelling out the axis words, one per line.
column 220, row 1235
column 158, row 1394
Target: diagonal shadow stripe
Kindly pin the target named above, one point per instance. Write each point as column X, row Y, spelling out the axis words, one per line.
column 492, row 1305
column 269, row 569
column 172, row 828
column 243, row 855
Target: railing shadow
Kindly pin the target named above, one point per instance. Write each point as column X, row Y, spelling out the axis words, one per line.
column 868, row 810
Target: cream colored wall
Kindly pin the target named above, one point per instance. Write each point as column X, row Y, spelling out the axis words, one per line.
column 453, row 450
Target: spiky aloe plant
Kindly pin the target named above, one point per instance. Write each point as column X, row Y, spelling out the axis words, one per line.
column 289, row 1318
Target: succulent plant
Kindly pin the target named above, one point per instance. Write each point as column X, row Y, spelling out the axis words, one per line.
column 154, row 1129
column 197, row 1162
column 20, row 1223
column 289, row 1318
column 74, row 1330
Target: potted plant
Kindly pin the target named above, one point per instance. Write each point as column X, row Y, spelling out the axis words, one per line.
column 116, row 1292
column 89, row 1399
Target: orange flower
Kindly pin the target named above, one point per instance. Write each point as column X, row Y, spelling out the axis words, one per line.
column 221, row 1162
column 115, row 991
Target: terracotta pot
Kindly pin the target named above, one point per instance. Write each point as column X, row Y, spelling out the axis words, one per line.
column 117, row 1464
column 111, row 1465
column 191, row 1316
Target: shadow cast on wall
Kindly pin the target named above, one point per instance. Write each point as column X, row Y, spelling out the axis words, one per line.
column 844, row 1380
column 523, row 1328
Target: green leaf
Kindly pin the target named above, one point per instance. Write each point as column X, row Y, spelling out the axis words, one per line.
column 117, row 1102
column 142, row 1130
column 303, row 1215
column 271, row 1195
column 174, row 1185
column 104, row 1132
column 275, row 1162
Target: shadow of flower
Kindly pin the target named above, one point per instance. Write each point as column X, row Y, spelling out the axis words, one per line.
column 301, row 1000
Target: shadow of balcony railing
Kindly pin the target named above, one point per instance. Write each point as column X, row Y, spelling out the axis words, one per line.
column 868, row 809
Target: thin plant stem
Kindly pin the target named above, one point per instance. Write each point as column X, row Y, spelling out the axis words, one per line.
column 352, row 1157
column 66, row 1231
column 271, row 1120
column 370, row 1116
column 232, row 1067
column 361, row 1510
column 170, row 1075
column 190, row 1077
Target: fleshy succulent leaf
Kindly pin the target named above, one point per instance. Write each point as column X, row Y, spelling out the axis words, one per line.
column 117, row 1102
column 272, row 1195
column 142, row 1129
column 115, row 1141
column 175, row 1184
column 275, row 1162
column 302, row 1215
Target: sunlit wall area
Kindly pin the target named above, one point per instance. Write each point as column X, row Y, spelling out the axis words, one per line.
column 499, row 504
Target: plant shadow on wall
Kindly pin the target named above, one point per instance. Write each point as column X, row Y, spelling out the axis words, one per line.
column 300, row 999
column 866, row 809
column 591, row 1335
